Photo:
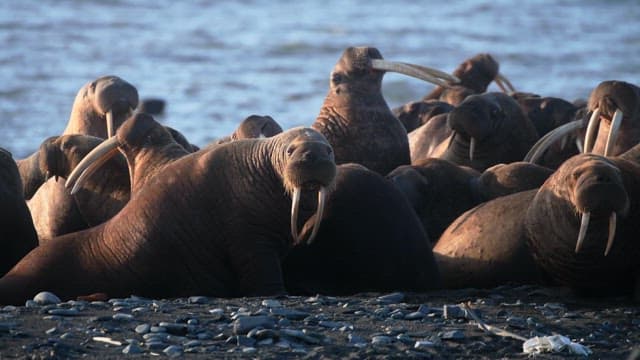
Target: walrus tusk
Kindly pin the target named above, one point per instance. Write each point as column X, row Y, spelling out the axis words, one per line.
column 427, row 74
column 590, row 137
column 472, row 148
column 613, row 131
column 109, row 123
column 501, row 81
column 538, row 149
column 451, row 139
column 437, row 73
column 612, row 232
column 579, row 145
column 584, row 224
column 91, row 162
column 295, row 205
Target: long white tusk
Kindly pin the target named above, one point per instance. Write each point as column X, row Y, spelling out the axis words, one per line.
column 584, row 224
column 437, row 73
column 538, row 149
column 613, row 131
column 451, row 138
column 420, row 72
column 91, row 162
column 109, row 123
column 295, row 204
column 501, row 81
column 472, row 148
column 579, row 145
column 612, row 232
column 592, row 129
column 322, row 196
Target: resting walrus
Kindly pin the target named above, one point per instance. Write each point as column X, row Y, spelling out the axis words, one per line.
column 17, row 234
column 213, row 222
column 356, row 119
column 98, row 109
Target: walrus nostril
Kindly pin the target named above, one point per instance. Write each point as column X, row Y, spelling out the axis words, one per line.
column 309, row 156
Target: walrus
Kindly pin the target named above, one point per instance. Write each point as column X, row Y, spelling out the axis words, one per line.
column 101, row 197
column 439, row 191
column 614, row 125
column 99, row 108
column 17, row 233
column 356, row 119
column 417, row 113
column 214, row 222
column 475, row 74
column 581, row 225
column 370, row 240
column 253, row 126
column 482, row 131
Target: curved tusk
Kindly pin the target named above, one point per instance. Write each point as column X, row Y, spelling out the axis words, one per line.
column 538, row 149
column 109, row 123
column 437, row 73
column 579, row 145
column 613, row 131
column 322, row 196
column 451, row 138
column 501, row 81
column 295, row 205
column 91, row 162
column 472, row 148
column 590, row 137
column 584, row 224
column 420, row 72
column 612, row 232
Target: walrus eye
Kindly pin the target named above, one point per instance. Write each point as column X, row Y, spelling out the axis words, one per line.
column 336, row 78
column 290, row 150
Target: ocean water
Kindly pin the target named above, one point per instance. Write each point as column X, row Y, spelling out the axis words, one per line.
column 216, row 62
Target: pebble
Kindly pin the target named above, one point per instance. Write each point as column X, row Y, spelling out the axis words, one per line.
column 143, row 329
column 46, row 298
column 452, row 335
column 271, row 303
column 173, row 350
column 299, row 335
column 123, row 317
column 356, row 340
column 198, row 300
column 64, row 312
column 423, row 344
column 453, row 312
column 392, row 298
column 416, row 315
column 243, row 325
column 132, row 349
column 290, row 314
column 381, row 340
column 217, row 313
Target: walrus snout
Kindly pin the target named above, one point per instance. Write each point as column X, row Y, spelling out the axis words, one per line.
column 114, row 99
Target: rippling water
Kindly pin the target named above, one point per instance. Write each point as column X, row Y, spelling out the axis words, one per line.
column 217, row 62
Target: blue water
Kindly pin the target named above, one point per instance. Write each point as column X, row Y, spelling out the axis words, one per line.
column 216, row 62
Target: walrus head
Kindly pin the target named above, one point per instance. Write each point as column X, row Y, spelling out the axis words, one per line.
column 595, row 187
column 101, row 106
column 477, row 72
column 9, row 175
column 360, row 70
column 614, row 123
column 307, row 164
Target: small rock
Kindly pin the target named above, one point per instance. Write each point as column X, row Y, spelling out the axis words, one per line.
column 46, row 298
column 243, row 325
column 192, row 343
column 424, row 344
column 173, row 350
column 405, row 339
column 453, row 335
column 143, row 329
column 392, row 298
column 516, row 322
column 290, row 314
column 417, row 315
column 217, row 313
column 51, row 331
column 122, row 317
column 381, row 340
column 132, row 349
column 64, row 312
column 453, row 312
column 271, row 303
column 356, row 340
column 198, row 300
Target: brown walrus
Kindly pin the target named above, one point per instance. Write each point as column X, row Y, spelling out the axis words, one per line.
column 17, row 234
column 576, row 230
column 356, row 119
column 99, row 108
column 370, row 240
column 252, row 127
column 475, row 74
column 417, row 113
column 101, row 197
column 440, row 191
column 582, row 225
column 212, row 222
column 484, row 130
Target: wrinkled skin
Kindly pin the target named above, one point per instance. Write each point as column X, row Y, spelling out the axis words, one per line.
column 369, row 240
column 502, row 133
column 609, row 96
column 475, row 74
column 356, row 119
column 253, row 127
column 588, row 183
column 486, row 246
column 17, row 234
column 54, row 211
column 417, row 113
column 440, row 191
column 101, row 197
column 189, row 224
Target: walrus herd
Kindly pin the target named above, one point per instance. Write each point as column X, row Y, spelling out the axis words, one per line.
column 462, row 188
